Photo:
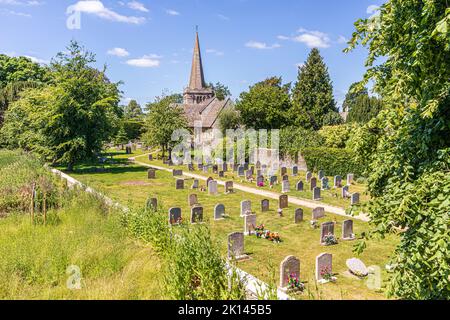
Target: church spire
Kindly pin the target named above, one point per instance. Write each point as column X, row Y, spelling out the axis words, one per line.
column 197, row 80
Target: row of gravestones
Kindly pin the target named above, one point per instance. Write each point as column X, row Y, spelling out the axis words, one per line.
column 175, row 213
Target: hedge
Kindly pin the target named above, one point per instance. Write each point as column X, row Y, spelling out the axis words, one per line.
column 333, row 161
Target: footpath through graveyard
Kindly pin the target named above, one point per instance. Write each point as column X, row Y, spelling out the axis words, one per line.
column 268, row 194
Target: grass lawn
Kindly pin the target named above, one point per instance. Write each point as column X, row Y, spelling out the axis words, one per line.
column 331, row 196
column 128, row 184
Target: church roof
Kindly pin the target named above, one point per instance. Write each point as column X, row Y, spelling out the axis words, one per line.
column 207, row 112
column 197, row 80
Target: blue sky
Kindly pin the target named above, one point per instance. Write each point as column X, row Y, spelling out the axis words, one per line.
column 147, row 44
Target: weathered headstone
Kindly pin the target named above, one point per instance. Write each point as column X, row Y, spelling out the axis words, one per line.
column 289, row 267
column 212, row 187
column 350, row 178
column 152, row 204
column 176, row 172
column 179, row 184
column 241, row 171
column 228, row 186
column 285, row 177
column 221, row 174
column 316, row 193
column 264, row 205
column 249, row 224
column 299, row 185
column 345, row 193
column 205, row 169
column 151, row 173
column 321, row 174
column 347, row 230
column 150, row 157
column 308, row 176
column 246, row 207
column 283, row 201
column 260, row 181
column 273, row 179
column 215, row 168
column 324, row 183
column 236, row 246
column 208, row 180
column 313, row 182
column 283, row 171
column 200, row 166
column 298, row 215
column 191, row 167
column 285, row 187
column 354, row 198
column 326, row 228
column 295, row 171
column 248, row 174
column 174, row 215
column 317, row 213
column 196, row 214
column 357, row 267
column 337, row 181
column 219, row 211
column 258, row 164
column 324, row 265
column 246, row 166
column 195, row 184
column 224, row 167
column 192, row 199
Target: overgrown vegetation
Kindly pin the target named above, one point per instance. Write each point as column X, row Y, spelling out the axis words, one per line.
column 333, row 161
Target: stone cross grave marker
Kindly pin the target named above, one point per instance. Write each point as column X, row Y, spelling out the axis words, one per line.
column 174, row 215
column 283, row 201
column 289, row 267
column 219, row 211
column 298, row 215
column 326, row 228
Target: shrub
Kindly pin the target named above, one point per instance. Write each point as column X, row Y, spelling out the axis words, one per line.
column 333, row 161
column 337, row 136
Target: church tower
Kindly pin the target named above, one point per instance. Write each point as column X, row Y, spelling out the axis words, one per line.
column 197, row 92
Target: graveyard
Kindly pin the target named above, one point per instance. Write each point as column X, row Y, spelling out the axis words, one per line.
column 129, row 184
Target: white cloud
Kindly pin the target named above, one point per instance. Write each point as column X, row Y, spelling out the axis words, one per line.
column 223, row 17
column 373, row 8
column 37, row 60
column 14, row 13
column 147, row 61
column 118, row 52
column 214, row 51
column 97, row 8
column 135, row 5
column 312, row 39
column 171, row 12
column 21, row 3
column 281, row 37
column 342, row 39
column 261, row 45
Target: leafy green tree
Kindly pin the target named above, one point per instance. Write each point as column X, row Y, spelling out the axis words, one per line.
column 163, row 118
column 353, row 93
column 133, row 110
column 405, row 146
column 220, row 90
column 312, row 96
column 294, row 139
column 70, row 119
column 265, row 105
column 229, row 119
column 121, row 137
column 360, row 107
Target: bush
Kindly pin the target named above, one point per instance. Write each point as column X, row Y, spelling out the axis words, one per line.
column 333, row 161
column 337, row 136
column 294, row 139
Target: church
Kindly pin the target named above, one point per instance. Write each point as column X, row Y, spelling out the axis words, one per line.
column 201, row 107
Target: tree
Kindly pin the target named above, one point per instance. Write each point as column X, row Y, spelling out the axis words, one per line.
column 312, row 96
column 405, row 146
column 70, row 119
column 221, row 91
column 265, row 105
column 121, row 137
column 360, row 107
column 132, row 120
column 229, row 119
column 353, row 93
column 163, row 118
column 133, row 110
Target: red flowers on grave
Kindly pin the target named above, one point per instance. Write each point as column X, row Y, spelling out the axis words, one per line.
column 261, row 184
column 326, row 273
column 260, row 232
column 294, row 283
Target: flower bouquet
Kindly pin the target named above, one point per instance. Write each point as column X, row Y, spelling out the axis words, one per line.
column 294, row 283
column 326, row 274
column 329, row 239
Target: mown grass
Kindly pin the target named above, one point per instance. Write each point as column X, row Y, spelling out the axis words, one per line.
column 129, row 185
column 81, row 232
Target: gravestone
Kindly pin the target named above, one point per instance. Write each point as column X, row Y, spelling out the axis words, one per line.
column 264, row 205
column 208, row 180
column 215, row 168
column 285, row 177
column 308, row 176
column 357, row 267
column 152, row 204
column 298, row 215
column 205, row 169
column 350, row 178
column 283, row 201
column 252, row 169
column 179, row 184
column 192, row 199
column 337, row 181
column 228, row 186
column 236, row 246
column 273, row 179
column 294, row 171
column 224, row 167
column 321, row 174
column 299, row 185
column 197, row 214
column 248, row 174
column 191, row 167
column 176, row 172
column 241, row 171
column 345, row 193
column 246, row 207
column 150, row 157
column 316, row 193
column 317, row 213
column 259, row 172
column 326, row 228
column 354, row 198
column 174, row 215
column 324, row 183
column 313, row 182
column 289, row 267
column 258, row 164
column 347, row 230
column 323, row 265
column 219, row 211
column 200, row 166
column 212, row 187
column 249, row 224
column 235, row 167
column 151, row 173
column 285, row 187
column 194, row 184
column 260, row 181
column 245, row 166
column 283, row 171
column 221, row 174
